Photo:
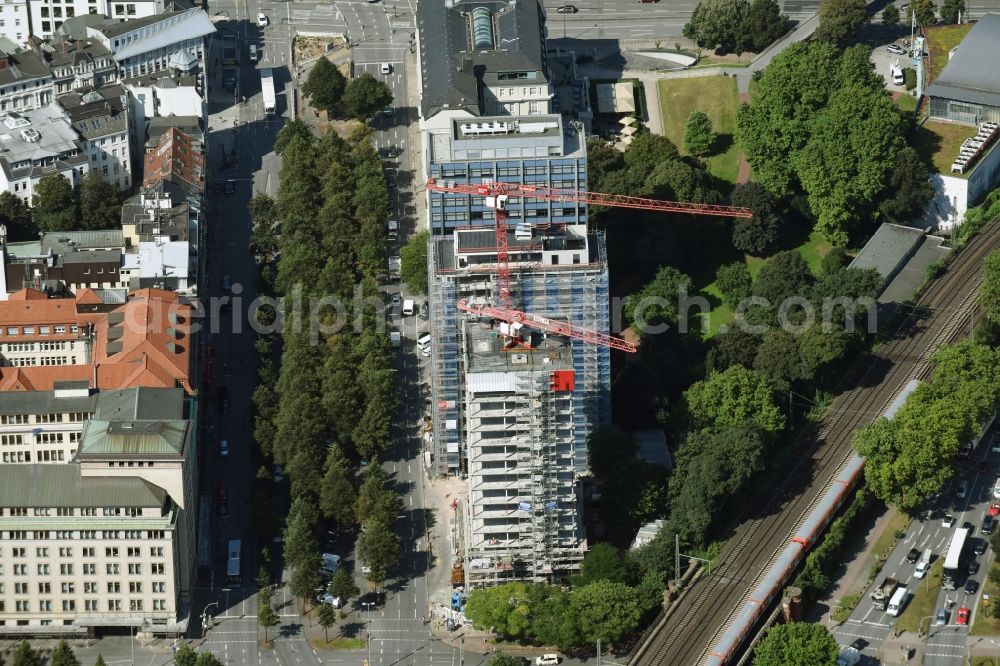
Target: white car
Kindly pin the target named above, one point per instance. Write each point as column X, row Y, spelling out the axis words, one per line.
column 327, row 598
column 365, row 569
column 223, row 448
column 896, row 48
column 547, row 660
column 262, row 19
column 385, row 68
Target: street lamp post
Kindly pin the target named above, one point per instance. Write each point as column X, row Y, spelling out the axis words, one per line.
column 368, row 607
column 997, row 646
column 204, row 617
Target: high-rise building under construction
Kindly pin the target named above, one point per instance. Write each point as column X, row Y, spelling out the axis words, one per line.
column 512, row 417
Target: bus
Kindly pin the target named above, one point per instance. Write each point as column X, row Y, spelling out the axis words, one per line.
column 267, row 91
column 953, row 561
column 233, row 563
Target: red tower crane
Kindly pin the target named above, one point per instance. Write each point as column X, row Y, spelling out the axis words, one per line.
column 497, row 195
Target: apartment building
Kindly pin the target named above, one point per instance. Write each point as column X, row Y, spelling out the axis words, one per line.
column 36, row 143
column 14, row 20
column 511, row 410
column 78, row 64
column 173, row 39
column 144, row 342
column 102, row 119
column 103, row 542
column 25, row 81
column 63, row 262
column 47, row 16
column 46, row 426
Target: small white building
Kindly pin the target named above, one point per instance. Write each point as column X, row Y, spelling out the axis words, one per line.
column 25, row 81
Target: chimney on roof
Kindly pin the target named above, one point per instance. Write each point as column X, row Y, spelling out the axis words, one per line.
column 4, row 60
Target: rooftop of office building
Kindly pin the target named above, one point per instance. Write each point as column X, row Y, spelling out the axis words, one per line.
column 469, row 42
column 506, row 137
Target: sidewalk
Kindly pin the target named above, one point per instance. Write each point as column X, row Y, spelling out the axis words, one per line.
column 856, row 573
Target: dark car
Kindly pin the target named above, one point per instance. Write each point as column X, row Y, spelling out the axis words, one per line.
column 987, row 527
column 567, row 9
column 230, row 186
column 859, row 644
column 373, row 599
column 980, row 547
column 971, row 586
column 973, row 567
column 913, row 555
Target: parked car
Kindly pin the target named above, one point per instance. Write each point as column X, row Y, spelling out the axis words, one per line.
column 396, row 301
column 973, row 567
column 913, row 555
column 568, row 9
column 327, row 598
column 941, row 618
column 262, row 19
column 980, row 547
column 547, row 660
column 223, row 448
column 971, row 586
column 230, row 186
column 962, row 617
column 995, row 442
column 896, row 48
column 962, row 490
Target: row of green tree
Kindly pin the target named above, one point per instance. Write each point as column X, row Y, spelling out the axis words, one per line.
column 607, row 602
column 327, row 409
column 329, row 90
column 910, row 457
column 58, row 206
column 62, row 655
column 841, row 21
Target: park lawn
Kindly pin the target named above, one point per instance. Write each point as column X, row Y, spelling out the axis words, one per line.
column 339, row 643
column 716, row 97
column 923, row 595
column 906, row 103
column 982, row 625
column 938, row 143
column 941, row 40
column 813, row 251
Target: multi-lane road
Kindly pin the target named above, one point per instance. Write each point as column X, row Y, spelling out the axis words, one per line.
column 945, row 645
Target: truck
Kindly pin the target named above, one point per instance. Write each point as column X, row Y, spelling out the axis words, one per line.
column 882, row 593
column 230, row 50
column 849, row 656
column 267, row 89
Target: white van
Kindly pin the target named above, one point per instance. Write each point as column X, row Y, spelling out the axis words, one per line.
column 924, row 565
column 897, row 602
column 409, row 307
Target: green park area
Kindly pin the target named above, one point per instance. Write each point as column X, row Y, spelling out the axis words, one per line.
column 716, row 97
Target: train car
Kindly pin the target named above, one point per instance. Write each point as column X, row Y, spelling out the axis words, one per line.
column 783, row 567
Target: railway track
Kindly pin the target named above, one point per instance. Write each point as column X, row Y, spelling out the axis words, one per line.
column 942, row 314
